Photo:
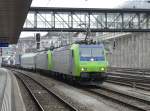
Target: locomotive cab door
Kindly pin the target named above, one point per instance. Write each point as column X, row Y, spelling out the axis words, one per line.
column 71, row 62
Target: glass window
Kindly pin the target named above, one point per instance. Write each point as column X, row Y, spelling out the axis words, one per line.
column 97, row 52
column 85, row 52
column 91, row 52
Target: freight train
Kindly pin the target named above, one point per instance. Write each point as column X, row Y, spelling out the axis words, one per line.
column 78, row 62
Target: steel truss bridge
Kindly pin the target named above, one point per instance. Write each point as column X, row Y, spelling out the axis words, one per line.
column 83, row 19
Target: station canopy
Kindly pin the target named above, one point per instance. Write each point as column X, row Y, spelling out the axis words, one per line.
column 12, row 16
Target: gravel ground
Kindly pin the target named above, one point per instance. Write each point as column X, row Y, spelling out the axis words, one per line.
column 80, row 98
column 28, row 101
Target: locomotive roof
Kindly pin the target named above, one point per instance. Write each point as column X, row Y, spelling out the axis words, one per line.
column 92, row 45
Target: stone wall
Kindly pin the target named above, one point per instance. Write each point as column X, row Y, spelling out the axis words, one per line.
column 131, row 51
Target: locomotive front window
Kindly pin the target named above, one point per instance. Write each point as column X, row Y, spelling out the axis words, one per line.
column 91, row 52
column 85, row 52
column 97, row 52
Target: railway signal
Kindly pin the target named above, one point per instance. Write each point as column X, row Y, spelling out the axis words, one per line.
column 38, row 38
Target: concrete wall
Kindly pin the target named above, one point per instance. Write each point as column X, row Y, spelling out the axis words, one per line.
column 132, row 51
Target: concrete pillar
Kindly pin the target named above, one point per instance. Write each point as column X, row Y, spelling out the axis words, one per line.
column 122, row 52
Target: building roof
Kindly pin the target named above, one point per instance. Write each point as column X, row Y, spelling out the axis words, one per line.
column 12, row 16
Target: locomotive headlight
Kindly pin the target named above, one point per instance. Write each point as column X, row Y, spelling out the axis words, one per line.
column 83, row 69
column 92, row 59
column 102, row 69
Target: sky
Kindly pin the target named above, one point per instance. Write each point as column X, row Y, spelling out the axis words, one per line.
column 77, row 3
column 74, row 4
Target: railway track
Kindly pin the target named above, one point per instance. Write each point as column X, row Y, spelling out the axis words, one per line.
column 45, row 99
column 129, row 79
column 138, row 73
column 134, row 79
column 122, row 98
column 119, row 97
column 131, row 71
column 128, row 75
column 142, row 86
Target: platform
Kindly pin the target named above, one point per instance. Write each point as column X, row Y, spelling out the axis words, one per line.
column 10, row 96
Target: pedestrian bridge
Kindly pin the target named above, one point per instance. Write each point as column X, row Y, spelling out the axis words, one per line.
column 87, row 19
